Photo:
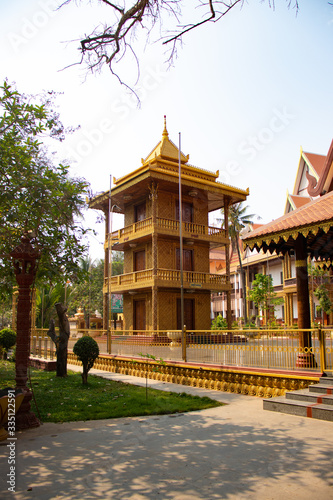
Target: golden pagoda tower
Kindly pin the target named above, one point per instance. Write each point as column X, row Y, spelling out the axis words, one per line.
column 150, row 239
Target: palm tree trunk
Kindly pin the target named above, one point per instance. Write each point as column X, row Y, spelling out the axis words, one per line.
column 242, row 273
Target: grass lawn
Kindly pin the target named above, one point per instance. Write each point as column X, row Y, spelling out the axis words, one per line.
column 67, row 399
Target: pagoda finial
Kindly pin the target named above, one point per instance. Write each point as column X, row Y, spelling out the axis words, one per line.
column 165, row 132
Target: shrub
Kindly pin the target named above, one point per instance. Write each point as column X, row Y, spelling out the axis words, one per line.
column 219, row 323
column 87, row 350
column 7, row 339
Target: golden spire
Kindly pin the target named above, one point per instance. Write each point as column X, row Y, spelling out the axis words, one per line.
column 165, row 132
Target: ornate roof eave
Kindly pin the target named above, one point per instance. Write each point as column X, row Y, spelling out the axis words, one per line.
column 270, row 242
column 153, row 156
column 99, row 201
column 223, row 188
column 173, row 166
column 170, row 168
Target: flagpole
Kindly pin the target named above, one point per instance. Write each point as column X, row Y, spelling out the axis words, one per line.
column 109, row 272
column 181, row 255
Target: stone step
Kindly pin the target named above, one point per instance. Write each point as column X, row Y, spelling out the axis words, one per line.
column 299, row 408
column 305, row 395
column 321, row 388
column 326, row 380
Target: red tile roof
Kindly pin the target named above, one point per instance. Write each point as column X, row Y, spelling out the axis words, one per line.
column 255, row 225
column 299, row 201
column 315, row 212
column 317, row 161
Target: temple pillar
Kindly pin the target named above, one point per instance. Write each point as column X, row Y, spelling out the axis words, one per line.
column 304, row 359
column 14, row 308
column 24, row 259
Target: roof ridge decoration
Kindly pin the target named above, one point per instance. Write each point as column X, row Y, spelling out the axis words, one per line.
column 165, row 149
column 165, row 132
column 315, row 188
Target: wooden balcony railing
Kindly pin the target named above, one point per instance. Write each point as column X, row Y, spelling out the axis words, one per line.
column 290, row 282
column 169, row 227
column 167, row 278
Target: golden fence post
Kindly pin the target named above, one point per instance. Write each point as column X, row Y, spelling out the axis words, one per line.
column 109, row 340
column 34, row 344
column 321, row 337
column 45, row 347
column 184, row 343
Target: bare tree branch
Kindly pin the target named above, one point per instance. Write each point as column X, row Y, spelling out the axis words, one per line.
column 109, row 42
column 211, row 18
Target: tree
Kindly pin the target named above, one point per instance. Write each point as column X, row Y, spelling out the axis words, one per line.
column 262, row 293
column 87, row 350
column 323, row 297
column 117, row 263
column 47, row 296
column 61, row 340
column 219, row 323
column 109, row 42
column 6, row 303
column 237, row 221
column 88, row 292
column 321, row 279
column 37, row 198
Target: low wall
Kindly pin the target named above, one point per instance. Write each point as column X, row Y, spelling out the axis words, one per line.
column 47, row 365
column 261, row 383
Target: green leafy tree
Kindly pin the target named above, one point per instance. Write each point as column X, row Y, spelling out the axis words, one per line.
column 38, row 198
column 87, row 350
column 321, row 279
column 46, row 298
column 6, row 301
column 262, row 293
column 117, row 263
column 323, row 297
column 88, row 293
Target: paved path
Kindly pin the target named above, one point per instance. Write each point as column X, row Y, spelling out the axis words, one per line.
column 234, row 452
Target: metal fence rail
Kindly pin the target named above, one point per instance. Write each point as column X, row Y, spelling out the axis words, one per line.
column 271, row 349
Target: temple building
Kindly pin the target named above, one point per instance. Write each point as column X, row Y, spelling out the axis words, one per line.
column 152, row 283
column 308, row 211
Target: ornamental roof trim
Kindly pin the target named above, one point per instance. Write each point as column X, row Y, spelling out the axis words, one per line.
column 314, row 216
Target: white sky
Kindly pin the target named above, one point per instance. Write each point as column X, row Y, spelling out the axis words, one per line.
column 245, row 93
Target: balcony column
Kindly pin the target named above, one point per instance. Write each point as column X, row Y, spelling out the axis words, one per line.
column 289, row 315
column 286, row 310
column 227, row 259
column 153, row 198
